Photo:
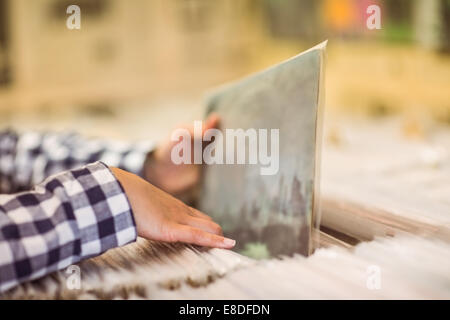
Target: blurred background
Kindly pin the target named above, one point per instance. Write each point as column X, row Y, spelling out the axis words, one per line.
column 137, row 68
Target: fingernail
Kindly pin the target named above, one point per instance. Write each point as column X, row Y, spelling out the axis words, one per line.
column 229, row 242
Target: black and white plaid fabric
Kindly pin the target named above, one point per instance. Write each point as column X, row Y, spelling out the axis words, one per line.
column 30, row 157
column 71, row 215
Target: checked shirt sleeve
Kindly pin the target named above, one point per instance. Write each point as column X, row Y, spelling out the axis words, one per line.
column 69, row 217
column 28, row 158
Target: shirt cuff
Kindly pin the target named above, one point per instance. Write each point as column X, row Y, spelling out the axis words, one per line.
column 102, row 211
column 129, row 157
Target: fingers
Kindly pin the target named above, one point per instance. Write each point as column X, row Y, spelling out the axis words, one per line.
column 200, row 220
column 211, row 122
column 203, row 224
column 197, row 213
column 188, row 234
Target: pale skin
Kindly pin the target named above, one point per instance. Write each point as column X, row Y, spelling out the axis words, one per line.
column 160, row 216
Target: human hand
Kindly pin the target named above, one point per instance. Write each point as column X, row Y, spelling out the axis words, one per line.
column 159, row 216
column 160, row 170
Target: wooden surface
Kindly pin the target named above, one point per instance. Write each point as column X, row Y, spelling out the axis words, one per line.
column 377, row 181
column 404, row 267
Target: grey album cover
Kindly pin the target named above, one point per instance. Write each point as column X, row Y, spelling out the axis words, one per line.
column 270, row 208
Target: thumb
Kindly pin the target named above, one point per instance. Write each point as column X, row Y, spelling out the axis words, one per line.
column 211, row 122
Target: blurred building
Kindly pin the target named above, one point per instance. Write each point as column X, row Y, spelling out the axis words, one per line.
column 144, row 49
column 123, row 49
